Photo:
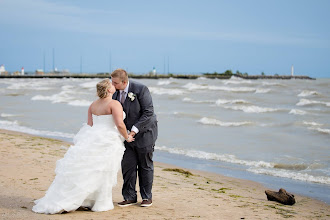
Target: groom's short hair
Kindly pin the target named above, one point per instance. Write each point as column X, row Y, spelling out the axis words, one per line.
column 121, row 74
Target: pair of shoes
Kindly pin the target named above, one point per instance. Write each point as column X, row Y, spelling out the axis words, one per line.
column 146, row 203
column 83, row 208
column 127, row 203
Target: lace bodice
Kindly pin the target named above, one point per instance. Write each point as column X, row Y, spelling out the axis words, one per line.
column 105, row 120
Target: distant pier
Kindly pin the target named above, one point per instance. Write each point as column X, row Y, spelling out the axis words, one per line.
column 216, row 76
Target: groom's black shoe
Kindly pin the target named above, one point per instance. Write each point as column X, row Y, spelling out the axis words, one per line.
column 127, row 203
column 146, row 203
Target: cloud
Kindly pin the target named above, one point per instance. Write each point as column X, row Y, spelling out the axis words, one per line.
column 45, row 15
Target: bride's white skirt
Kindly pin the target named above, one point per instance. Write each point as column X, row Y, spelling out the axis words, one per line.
column 86, row 174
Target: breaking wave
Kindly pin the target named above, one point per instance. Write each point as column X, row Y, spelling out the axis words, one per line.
column 80, row 103
column 260, row 90
column 316, row 127
column 163, row 91
column 252, row 109
column 193, row 86
column 303, row 102
column 196, row 101
column 235, row 101
column 308, row 93
column 259, row 167
column 162, row 82
column 89, row 85
column 4, row 115
column 321, row 130
column 292, row 175
column 213, row 156
column 211, row 121
column 297, row 112
column 14, row 126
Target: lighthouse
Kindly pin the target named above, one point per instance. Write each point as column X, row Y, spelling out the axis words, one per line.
column 2, row 69
column 292, row 70
column 154, row 71
column 22, row 71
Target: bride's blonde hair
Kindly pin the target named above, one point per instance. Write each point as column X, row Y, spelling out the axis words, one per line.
column 102, row 88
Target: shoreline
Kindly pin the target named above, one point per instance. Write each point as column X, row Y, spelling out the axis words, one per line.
column 27, row 169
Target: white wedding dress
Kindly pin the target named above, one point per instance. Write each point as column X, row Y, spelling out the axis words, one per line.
column 88, row 171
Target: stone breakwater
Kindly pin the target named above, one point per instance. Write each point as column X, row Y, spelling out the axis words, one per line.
column 219, row 76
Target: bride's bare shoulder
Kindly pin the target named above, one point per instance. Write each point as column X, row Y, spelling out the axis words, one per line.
column 115, row 104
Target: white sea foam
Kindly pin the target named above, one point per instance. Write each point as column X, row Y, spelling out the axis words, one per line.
column 252, row 109
column 80, row 103
column 226, row 101
column 212, row 121
column 236, row 80
column 65, row 96
column 303, row 102
column 316, row 127
column 201, row 78
column 297, row 112
column 261, row 90
column 305, row 93
column 30, row 85
column 321, row 130
column 67, row 87
column 162, row 82
column 196, row 101
column 260, row 167
column 292, row 175
column 89, row 85
column 163, row 91
column 311, row 123
column 4, row 115
column 213, row 156
column 272, row 84
column 193, row 86
column 14, row 126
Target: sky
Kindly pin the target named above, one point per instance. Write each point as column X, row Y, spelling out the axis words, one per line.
column 180, row 37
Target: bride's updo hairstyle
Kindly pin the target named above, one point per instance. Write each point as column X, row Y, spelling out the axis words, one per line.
column 102, row 88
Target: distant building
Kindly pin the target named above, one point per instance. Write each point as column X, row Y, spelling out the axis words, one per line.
column 152, row 72
column 2, row 70
column 39, row 72
column 65, row 71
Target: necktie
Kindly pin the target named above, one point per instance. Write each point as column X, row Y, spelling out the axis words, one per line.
column 122, row 99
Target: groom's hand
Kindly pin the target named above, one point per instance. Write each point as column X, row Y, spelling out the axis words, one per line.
column 132, row 133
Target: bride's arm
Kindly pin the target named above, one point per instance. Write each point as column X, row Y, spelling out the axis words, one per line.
column 117, row 114
column 90, row 117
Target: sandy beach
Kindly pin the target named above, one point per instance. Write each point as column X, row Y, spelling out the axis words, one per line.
column 27, row 169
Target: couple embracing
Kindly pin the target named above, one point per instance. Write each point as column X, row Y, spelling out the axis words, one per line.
column 88, row 171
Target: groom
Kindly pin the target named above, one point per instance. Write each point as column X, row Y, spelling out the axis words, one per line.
column 142, row 122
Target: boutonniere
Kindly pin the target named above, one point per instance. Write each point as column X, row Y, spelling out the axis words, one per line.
column 131, row 95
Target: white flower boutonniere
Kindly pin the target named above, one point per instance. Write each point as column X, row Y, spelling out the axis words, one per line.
column 131, row 95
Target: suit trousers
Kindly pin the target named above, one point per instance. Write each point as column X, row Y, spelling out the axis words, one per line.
column 137, row 161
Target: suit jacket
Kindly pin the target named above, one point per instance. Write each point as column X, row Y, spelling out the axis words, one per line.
column 140, row 113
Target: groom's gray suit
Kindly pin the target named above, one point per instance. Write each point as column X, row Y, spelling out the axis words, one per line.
column 138, row 154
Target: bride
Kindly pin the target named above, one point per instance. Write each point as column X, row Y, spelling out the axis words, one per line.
column 88, row 171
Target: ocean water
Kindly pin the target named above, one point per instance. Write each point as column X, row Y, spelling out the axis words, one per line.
column 276, row 132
